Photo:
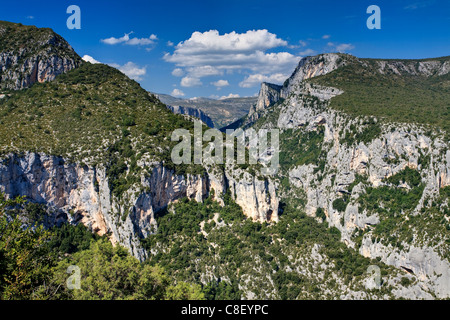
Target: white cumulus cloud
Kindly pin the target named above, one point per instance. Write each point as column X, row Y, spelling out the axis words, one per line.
column 88, row 58
column 190, row 82
column 308, row 52
column 177, row 93
column 203, row 71
column 212, row 54
column 341, row 47
column 212, row 42
column 231, row 95
column 178, row 72
column 220, row 83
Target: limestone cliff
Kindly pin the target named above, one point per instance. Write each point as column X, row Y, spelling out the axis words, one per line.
column 312, row 66
column 75, row 193
column 193, row 112
column 268, row 94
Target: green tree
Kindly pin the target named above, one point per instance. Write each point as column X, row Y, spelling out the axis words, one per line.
column 109, row 273
column 185, row 291
column 25, row 259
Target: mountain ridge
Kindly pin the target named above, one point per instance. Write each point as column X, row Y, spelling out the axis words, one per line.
column 329, row 69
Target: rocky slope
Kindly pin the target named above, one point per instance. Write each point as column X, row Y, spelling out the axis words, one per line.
column 193, row 112
column 75, row 193
column 360, row 175
column 29, row 55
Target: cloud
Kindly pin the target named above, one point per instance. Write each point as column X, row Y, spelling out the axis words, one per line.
column 177, row 93
column 256, row 61
column 231, row 95
column 341, row 47
column 170, row 43
column 326, row 36
column 113, row 40
column 203, row 71
column 220, row 83
column 212, row 42
column 131, row 69
column 255, row 80
column 130, row 41
column 212, row 54
column 178, row 72
column 302, row 43
column 308, row 52
column 30, row 17
column 90, row 59
column 190, row 82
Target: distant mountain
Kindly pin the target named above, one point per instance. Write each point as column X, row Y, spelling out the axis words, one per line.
column 222, row 112
column 193, row 112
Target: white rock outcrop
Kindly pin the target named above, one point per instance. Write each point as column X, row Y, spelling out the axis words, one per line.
column 76, row 193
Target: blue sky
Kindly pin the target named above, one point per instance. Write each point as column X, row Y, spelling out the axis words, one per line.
column 227, row 48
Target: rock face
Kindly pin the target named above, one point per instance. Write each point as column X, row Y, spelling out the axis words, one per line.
column 76, row 193
column 256, row 197
column 307, row 68
column 193, row 112
column 310, row 67
column 396, row 147
column 424, row 68
column 268, row 94
column 36, row 59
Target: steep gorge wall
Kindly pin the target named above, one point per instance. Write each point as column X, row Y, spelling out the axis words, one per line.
column 193, row 112
column 406, row 144
column 76, row 193
column 396, row 147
